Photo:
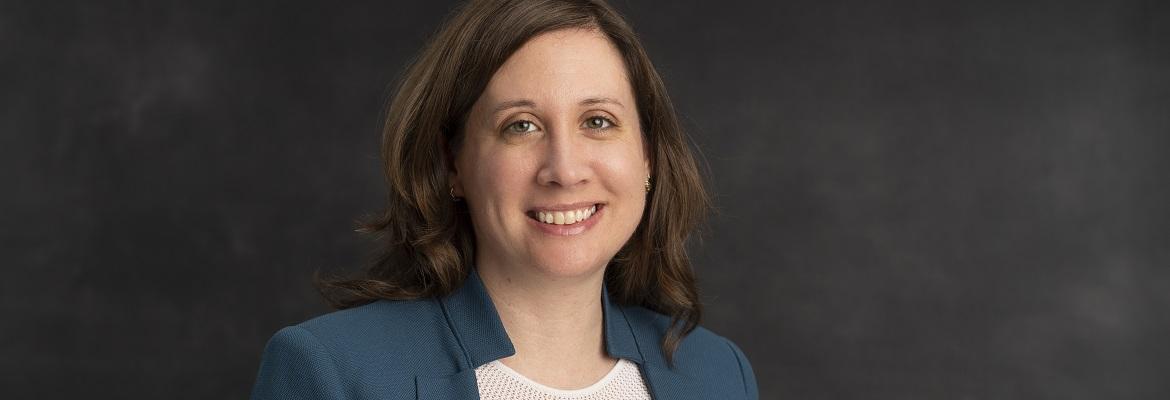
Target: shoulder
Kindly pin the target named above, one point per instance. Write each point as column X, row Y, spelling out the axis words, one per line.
column 409, row 330
column 378, row 322
column 700, row 346
column 385, row 341
column 702, row 354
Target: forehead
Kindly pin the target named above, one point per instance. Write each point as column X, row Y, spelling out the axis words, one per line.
column 561, row 67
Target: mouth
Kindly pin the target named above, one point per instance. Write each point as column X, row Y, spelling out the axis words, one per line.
column 565, row 217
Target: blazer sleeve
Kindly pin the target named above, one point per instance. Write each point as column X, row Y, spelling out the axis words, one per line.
column 745, row 369
column 296, row 366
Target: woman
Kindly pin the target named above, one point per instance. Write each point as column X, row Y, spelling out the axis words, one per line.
column 541, row 193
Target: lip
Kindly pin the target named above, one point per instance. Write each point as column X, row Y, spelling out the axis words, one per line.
column 565, row 206
column 569, row 230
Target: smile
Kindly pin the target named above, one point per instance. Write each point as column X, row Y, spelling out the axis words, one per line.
column 569, row 217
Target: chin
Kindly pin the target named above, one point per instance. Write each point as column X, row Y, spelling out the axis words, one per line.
column 568, row 265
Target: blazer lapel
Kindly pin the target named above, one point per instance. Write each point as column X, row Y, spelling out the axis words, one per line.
column 665, row 383
column 631, row 335
column 458, row 386
column 476, row 325
column 640, row 345
column 482, row 338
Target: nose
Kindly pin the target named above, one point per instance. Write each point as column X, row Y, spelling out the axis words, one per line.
column 565, row 161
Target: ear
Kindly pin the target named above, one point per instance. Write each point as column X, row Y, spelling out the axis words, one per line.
column 646, row 156
column 456, row 186
column 452, row 170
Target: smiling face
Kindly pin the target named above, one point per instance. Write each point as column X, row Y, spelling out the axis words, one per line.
column 553, row 163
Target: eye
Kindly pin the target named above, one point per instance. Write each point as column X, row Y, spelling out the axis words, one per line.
column 521, row 126
column 598, row 123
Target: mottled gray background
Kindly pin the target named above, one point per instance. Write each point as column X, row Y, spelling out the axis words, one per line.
column 918, row 199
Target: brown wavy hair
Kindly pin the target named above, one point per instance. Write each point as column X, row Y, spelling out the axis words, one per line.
column 427, row 245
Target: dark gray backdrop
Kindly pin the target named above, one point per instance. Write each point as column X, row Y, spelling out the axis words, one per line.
column 918, row 199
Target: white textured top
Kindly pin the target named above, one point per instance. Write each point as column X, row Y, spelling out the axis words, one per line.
column 498, row 382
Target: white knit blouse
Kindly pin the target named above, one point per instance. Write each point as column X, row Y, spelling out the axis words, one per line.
column 498, row 382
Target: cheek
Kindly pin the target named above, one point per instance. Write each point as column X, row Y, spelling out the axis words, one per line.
column 626, row 169
column 499, row 179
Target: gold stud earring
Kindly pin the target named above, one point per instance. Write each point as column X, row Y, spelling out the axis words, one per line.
column 451, row 191
column 647, row 183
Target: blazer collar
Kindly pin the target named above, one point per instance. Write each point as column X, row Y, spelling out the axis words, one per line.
column 476, row 323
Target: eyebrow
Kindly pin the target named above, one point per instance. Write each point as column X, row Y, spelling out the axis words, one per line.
column 525, row 103
column 601, row 100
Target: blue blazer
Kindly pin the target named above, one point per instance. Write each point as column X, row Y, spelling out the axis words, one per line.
column 429, row 349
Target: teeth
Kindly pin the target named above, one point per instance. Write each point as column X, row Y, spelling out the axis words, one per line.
column 565, row 217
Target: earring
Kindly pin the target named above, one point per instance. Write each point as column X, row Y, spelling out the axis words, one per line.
column 647, row 183
column 451, row 191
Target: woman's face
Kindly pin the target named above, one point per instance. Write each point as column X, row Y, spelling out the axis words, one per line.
column 553, row 164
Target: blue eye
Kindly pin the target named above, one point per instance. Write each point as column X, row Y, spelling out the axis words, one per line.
column 598, row 123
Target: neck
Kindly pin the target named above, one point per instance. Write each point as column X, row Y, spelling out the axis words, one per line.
column 549, row 319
